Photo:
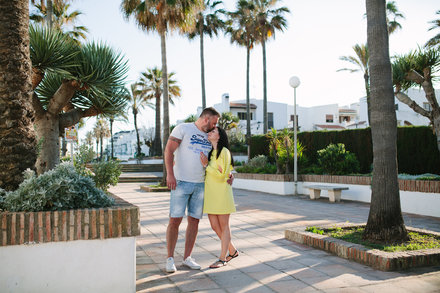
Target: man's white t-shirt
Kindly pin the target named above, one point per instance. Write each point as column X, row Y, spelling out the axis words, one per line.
column 187, row 165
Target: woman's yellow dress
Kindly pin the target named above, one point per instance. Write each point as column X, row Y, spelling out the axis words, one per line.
column 219, row 199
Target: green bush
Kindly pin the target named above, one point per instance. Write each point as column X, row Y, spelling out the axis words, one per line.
column 266, row 169
column 335, row 160
column 258, row 162
column 84, row 155
column 61, row 188
column 417, row 151
column 106, row 174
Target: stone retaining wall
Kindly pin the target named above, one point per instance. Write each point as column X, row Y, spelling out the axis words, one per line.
column 429, row 186
column 120, row 220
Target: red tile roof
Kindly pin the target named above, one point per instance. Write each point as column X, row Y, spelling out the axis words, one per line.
column 324, row 126
column 241, row 105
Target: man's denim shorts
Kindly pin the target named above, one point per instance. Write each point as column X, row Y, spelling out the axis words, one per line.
column 187, row 194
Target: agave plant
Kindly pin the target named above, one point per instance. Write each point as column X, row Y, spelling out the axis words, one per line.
column 71, row 82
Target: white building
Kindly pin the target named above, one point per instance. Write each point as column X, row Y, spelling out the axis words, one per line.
column 325, row 117
column 124, row 144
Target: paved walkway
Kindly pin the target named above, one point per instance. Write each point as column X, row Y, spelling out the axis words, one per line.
column 268, row 262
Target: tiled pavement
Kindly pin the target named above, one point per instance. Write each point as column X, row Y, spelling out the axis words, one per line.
column 268, row 262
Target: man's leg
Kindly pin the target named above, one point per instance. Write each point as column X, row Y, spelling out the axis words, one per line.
column 191, row 235
column 172, row 235
column 195, row 213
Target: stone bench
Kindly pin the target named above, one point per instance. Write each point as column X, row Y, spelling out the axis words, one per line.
column 334, row 192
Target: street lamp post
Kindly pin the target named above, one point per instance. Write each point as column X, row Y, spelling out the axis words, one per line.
column 295, row 82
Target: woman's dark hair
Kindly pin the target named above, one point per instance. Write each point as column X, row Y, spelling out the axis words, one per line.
column 223, row 142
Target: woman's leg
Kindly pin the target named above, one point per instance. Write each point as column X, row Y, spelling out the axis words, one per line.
column 226, row 236
column 215, row 225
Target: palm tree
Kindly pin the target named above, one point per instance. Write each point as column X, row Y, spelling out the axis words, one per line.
column 62, row 19
column 361, row 63
column 228, row 121
column 392, row 16
column 151, row 86
column 243, row 32
column 419, row 69
column 208, row 22
column 121, row 117
column 137, row 104
column 17, row 137
column 163, row 16
column 434, row 41
column 71, row 82
column 49, row 5
column 385, row 222
column 89, row 139
column 269, row 20
column 101, row 131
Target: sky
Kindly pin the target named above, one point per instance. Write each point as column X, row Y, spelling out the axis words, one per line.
column 318, row 33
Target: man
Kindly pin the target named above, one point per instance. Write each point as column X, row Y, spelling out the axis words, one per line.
column 186, row 179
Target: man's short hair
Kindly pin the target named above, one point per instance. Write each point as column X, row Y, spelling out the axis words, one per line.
column 210, row 111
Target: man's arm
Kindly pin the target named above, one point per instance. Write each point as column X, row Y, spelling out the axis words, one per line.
column 172, row 144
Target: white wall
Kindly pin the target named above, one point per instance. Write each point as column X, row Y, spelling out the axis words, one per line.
column 420, row 203
column 75, row 266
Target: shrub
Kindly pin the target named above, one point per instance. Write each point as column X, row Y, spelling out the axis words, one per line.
column 335, row 160
column 58, row 189
column 85, row 155
column 266, row 169
column 257, row 162
column 106, row 174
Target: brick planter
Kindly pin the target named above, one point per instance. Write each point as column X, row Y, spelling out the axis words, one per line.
column 120, row 220
column 72, row 251
column 384, row 261
column 154, row 189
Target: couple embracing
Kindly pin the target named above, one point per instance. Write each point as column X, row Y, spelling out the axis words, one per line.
column 193, row 150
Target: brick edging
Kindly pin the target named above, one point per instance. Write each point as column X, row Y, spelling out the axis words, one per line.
column 120, row 220
column 429, row 186
column 381, row 260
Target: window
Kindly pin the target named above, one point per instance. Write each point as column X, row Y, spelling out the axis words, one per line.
column 427, row 106
column 396, row 106
column 269, row 120
column 243, row 116
column 291, row 119
column 329, row 118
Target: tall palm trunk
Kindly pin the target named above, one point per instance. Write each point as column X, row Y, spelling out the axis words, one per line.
column 63, row 146
column 248, row 106
column 165, row 100
column 265, row 120
column 48, row 133
column 17, row 136
column 49, row 13
column 111, row 138
column 202, row 70
column 157, row 143
column 138, row 142
column 367, row 91
column 385, row 222
column 101, row 139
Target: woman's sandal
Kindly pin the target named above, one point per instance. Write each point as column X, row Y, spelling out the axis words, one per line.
column 230, row 257
column 219, row 263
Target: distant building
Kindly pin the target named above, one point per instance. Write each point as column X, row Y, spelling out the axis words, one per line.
column 323, row 117
column 124, row 144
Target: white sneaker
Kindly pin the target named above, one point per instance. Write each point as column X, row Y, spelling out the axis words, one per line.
column 191, row 263
column 170, row 266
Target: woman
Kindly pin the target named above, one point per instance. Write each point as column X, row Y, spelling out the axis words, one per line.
column 219, row 201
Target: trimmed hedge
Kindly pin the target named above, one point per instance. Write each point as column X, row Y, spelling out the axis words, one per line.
column 417, row 151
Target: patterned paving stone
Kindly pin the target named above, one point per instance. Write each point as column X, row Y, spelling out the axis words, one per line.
column 267, row 262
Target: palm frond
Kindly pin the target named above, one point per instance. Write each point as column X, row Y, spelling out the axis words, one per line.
column 52, row 51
